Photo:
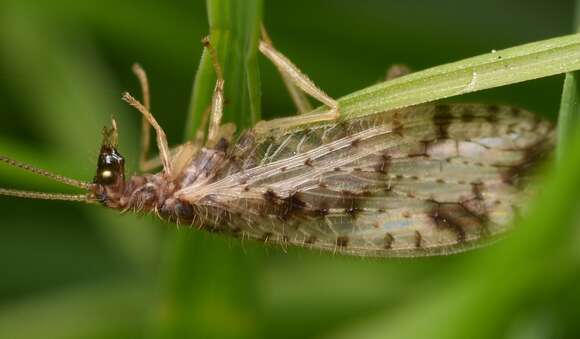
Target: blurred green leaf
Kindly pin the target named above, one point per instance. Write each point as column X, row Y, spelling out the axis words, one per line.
column 72, row 89
column 498, row 68
column 103, row 309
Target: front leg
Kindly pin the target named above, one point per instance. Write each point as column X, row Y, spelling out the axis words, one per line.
column 298, row 97
column 294, row 80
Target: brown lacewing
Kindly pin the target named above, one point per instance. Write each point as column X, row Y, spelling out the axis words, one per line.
column 425, row 180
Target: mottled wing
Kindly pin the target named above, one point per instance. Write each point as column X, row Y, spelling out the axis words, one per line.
column 431, row 179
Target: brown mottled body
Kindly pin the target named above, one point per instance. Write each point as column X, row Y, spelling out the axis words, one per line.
column 423, row 180
column 416, row 181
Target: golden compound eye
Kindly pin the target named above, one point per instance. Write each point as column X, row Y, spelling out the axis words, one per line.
column 107, row 177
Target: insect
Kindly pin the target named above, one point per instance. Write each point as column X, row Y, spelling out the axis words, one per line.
column 424, row 180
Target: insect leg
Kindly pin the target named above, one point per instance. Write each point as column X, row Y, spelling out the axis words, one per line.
column 217, row 101
column 299, row 79
column 164, row 153
column 145, row 165
column 293, row 121
column 300, row 100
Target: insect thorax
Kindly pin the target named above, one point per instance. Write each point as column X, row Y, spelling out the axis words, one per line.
column 156, row 193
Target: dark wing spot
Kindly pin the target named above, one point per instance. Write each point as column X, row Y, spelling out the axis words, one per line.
column 388, row 239
column 491, row 118
column 458, row 219
column 442, row 120
column 352, row 211
column 398, row 128
column 493, row 109
column 515, row 111
column 355, row 142
column 271, row 196
column 323, row 211
column 383, row 165
column 292, row 205
column 342, row 241
column 222, row 145
column 308, row 162
column 266, row 236
column 476, row 188
column 467, row 115
column 350, row 203
column 533, row 155
column 311, row 240
column 418, row 239
column 442, row 221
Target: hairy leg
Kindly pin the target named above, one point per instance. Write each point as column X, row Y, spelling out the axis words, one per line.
column 300, row 100
column 294, row 80
column 164, row 153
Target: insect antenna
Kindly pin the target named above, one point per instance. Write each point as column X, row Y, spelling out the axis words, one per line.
column 46, row 196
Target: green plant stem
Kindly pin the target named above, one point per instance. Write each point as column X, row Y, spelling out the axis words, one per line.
column 498, row 68
column 234, row 33
column 213, row 287
column 569, row 115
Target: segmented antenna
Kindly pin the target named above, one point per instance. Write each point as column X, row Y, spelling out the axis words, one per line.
column 56, row 177
column 47, row 196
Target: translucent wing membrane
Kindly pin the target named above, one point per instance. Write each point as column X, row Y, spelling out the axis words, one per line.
column 431, row 179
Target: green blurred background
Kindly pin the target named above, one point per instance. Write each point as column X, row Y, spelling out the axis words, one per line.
column 73, row 271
